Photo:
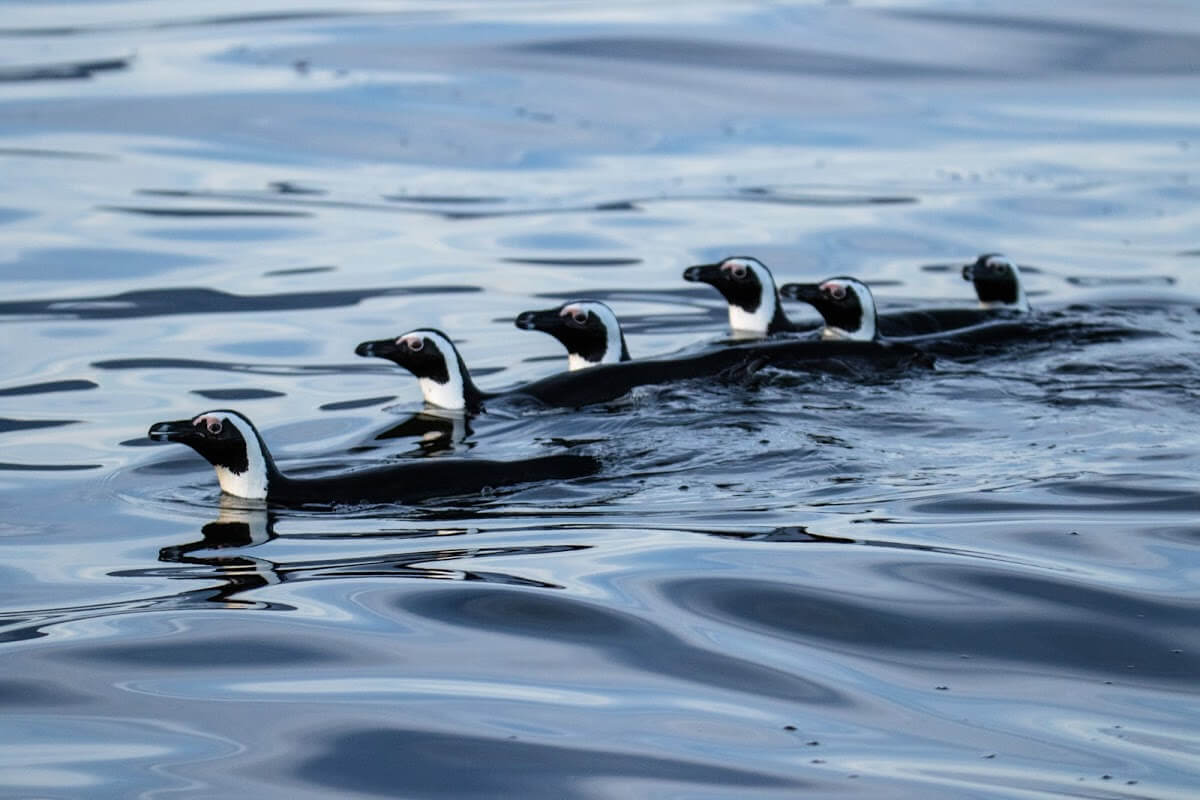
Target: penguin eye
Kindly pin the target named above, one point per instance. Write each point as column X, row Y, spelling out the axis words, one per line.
column 836, row 291
column 416, row 344
column 738, row 271
column 214, row 427
column 579, row 316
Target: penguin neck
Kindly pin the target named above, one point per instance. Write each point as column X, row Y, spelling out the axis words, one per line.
column 865, row 332
column 615, row 350
column 624, row 348
column 260, row 475
column 765, row 319
column 457, row 393
column 576, row 362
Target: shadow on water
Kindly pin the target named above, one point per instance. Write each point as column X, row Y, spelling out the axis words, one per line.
column 469, row 208
column 985, row 614
column 73, row 70
column 162, row 302
column 620, row 637
column 363, row 760
column 223, row 560
column 48, row 387
column 212, row 21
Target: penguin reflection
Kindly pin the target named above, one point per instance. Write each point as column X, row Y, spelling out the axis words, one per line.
column 238, row 527
column 435, row 432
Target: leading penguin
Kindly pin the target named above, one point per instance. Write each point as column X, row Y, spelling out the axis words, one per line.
column 245, row 468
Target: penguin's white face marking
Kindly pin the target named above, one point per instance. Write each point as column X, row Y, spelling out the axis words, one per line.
column 579, row 314
column 851, row 303
column 756, row 322
column 451, row 393
column 250, row 483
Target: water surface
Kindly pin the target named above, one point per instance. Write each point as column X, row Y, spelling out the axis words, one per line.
column 972, row 580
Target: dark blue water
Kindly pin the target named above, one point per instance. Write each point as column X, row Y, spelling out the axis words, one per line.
column 978, row 579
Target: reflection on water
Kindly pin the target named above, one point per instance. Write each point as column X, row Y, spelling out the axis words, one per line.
column 971, row 578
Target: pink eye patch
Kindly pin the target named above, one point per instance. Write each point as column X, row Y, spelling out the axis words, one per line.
column 209, row 421
column 835, row 290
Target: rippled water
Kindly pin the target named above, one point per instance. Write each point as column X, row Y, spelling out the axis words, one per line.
column 975, row 580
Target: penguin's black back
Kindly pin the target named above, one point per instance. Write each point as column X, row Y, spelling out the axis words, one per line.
column 425, row 478
column 607, row 382
column 903, row 324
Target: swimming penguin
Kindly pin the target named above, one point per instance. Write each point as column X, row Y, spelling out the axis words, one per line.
column 244, row 466
column 846, row 305
column 445, row 382
column 587, row 328
column 430, row 355
column 849, row 311
column 749, row 288
column 997, row 282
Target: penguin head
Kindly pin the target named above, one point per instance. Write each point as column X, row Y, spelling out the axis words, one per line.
column 749, row 288
column 429, row 355
column 587, row 328
column 229, row 442
column 997, row 282
column 845, row 304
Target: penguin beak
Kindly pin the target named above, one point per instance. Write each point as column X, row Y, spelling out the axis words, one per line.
column 703, row 273
column 968, row 272
column 806, row 292
column 380, row 348
column 544, row 321
column 179, row 430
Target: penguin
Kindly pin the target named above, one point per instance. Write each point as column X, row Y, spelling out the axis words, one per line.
column 430, row 355
column 997, row 282
column 846, row 305
column 445, row 382
column 587, row 328
column 849, row 311
column 245, row 468
column 749, row 288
